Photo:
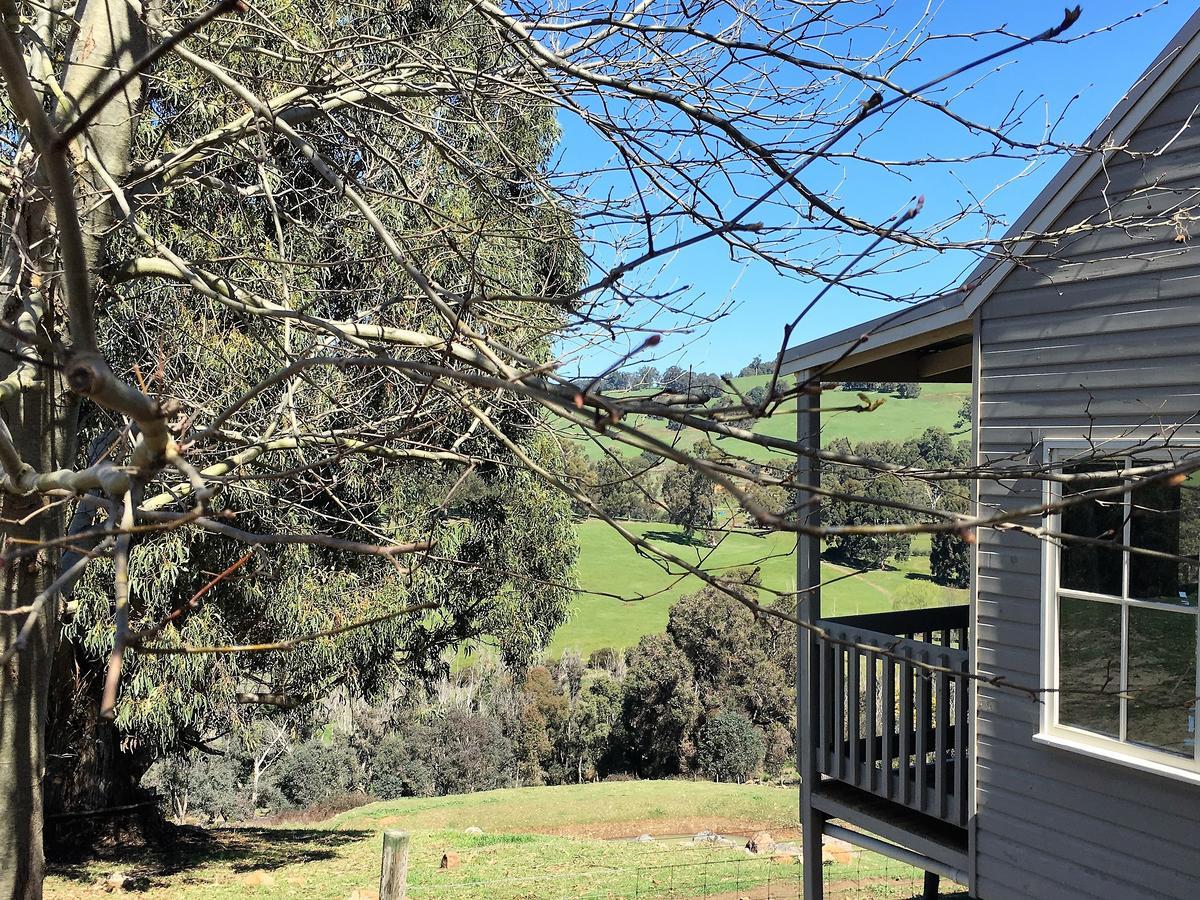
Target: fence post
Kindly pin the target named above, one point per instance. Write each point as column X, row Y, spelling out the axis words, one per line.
column 393, row 873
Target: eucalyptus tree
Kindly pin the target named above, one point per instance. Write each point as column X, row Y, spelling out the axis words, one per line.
column 273, row 511
column 288, row 284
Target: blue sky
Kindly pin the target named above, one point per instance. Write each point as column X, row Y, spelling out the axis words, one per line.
column 1079, row 81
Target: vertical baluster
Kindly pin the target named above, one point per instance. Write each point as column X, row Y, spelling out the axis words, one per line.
column 941, row 785
column 962, row 771
column 888, row 698
column 824, row 705
column 906, row 727
column 872, row 729
column 839, row 712
column 924, row 692
column 853, row 712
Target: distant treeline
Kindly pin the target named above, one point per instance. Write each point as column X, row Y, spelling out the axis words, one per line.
column 707, row 385
column 674, row 378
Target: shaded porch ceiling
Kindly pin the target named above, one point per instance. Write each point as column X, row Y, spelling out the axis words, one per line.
column 929, row 342
column 947, row 360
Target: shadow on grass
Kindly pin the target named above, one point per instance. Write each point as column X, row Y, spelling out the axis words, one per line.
column 241, row 849
column 919, row 576
column 677, row 537
column 838, row 558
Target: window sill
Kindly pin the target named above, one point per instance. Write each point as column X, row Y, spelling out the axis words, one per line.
column 1115, row 756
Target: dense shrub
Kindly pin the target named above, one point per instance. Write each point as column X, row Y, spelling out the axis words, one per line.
column 659, row 708
column 201, row 786
column 316, row 771
column 950, row 560
column 729, row 747
column 607, row 659
column 740, row 662
column 397, row 769
column 781, row 750
column 467, row 751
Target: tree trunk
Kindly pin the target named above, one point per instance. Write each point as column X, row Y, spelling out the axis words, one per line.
column 25, row 680
column 44, row 423
column 258, row 769
column 23, row 692
column 90, row 766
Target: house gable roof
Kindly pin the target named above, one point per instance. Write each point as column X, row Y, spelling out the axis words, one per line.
column 942, row 322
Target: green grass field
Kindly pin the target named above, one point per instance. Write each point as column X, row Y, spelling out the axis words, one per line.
column 607, row 563
column 549, row 842
column 895, row 419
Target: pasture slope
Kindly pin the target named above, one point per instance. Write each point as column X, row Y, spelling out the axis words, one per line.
column 541, row 842
column 895, row 419
column 608, row 564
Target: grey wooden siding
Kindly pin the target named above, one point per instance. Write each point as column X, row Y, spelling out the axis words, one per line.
column 1099, row 335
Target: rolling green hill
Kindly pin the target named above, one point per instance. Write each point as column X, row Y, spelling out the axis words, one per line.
column 937, row 406
column 608, row 564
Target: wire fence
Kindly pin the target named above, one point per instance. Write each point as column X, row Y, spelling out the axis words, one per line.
column 748, row 878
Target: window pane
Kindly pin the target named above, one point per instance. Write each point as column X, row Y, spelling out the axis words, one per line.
column 1162, row 679
column 1165, row 518
column 1089, row 665
column 1088, row 567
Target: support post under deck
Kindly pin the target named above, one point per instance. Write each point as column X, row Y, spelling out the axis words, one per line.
column 808, row 610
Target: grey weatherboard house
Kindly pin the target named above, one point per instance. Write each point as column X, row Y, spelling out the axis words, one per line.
column 1089, row 340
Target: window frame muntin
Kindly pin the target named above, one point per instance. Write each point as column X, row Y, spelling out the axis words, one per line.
column 1053, row 732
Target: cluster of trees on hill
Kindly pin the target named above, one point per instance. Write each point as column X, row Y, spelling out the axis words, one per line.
column 905, row 390
column 676, row 378
column 866, row 498
column 650, row 489
column 713, row 697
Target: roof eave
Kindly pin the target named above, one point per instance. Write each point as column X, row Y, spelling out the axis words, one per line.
column 909, row 329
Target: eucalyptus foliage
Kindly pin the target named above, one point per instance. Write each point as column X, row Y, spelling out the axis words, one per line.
column 503, row 549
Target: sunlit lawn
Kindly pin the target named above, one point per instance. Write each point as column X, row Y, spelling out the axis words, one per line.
column 608, row 564
column 536, row 842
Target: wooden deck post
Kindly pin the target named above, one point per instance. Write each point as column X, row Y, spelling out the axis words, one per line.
column 808, row 609
column 393, row 872
column 931, row 886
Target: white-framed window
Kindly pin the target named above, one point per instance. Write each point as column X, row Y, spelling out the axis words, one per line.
column 1121, row 627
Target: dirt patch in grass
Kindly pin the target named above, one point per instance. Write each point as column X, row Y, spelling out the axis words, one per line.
column 673, row 827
